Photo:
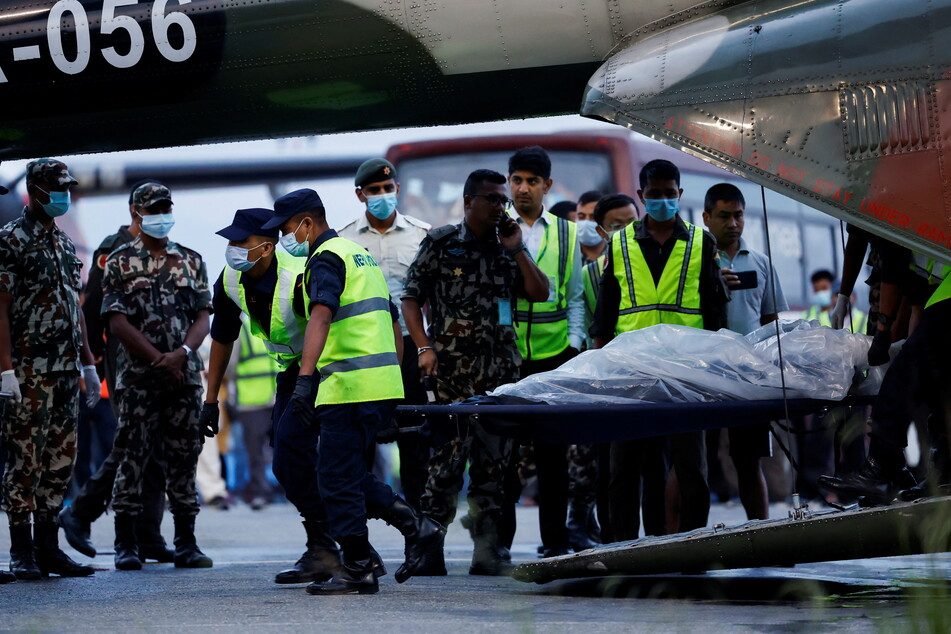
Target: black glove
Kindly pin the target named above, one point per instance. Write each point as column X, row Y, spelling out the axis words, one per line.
column 878, row 351
column 208, row 419
column 388, row 433
column 303, row 401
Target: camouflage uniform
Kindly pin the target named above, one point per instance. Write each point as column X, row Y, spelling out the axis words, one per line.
column 40, row 269
column 161, row 297
column 582, row 474
column 463, row 280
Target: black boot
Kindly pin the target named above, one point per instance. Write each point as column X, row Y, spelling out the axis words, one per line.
column 487, row 555
column 22, row 562
column 876, row 484
column 77, row 531
column 187, row 554
column 127, row 551
column 319, row 562
column 423, row 536
column 355, row 575
column 578, row 518
column 50, row 559
column 7, row 577
column 379, row 570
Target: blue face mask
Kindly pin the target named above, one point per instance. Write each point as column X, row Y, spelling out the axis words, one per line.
column 158, row 225
column 237, row 257
column 588, row 233
column 292, row 246
column 58, row 204
column 822, row 298
column 662, row 209
column 382, row 205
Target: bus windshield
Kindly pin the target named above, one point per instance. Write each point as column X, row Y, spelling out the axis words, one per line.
column 431, row 187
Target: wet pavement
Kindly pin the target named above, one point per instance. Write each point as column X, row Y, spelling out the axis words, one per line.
column 893, row 594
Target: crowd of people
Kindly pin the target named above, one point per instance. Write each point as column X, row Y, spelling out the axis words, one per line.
column 322, row 333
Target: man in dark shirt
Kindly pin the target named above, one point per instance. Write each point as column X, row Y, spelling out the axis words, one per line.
column 697, row 298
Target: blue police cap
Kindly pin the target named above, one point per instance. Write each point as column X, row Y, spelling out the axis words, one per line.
column 289, row 205
column 249, row 222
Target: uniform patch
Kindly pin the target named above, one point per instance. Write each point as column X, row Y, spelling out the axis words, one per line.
column 456, row 251
column 101, row 261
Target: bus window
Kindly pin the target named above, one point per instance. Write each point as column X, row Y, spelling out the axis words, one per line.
column 431, row 187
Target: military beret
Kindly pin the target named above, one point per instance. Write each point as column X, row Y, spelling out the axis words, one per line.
column 48, row 170
column 150, row 193
column 374, row 171
column 247, row 223
column 289, row 205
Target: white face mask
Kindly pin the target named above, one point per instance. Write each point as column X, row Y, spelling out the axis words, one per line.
column 588, row 233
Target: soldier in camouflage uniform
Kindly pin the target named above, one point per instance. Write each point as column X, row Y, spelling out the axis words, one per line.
column 470, row 275
column 43, row 350
column 91, row 503
column 157, row 302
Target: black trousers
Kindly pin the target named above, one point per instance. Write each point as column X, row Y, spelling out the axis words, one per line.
column 414, row 449
column 637, row 478
column 551, row 460
column 920, row 373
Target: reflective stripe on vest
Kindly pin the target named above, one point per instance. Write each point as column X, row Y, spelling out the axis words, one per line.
column 592, row 282
column 858, row 322
column 546, row 323
column 676, row 300
column 358, row 363
column 943, row 293
column 256, row 372
column 286, row 340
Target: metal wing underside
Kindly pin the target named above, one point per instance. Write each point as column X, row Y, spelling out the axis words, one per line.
column 841, row 104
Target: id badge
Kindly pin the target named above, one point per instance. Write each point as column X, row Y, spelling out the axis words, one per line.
column 505, row 312
column 552, row 289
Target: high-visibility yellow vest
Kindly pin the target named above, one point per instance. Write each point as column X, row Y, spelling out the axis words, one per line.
column 286, row 340
column 942, row 293
column 542, row 327
column 359, row 362
column 675, row 300
column 858, row 323
column 929, row 268
column 256, row 374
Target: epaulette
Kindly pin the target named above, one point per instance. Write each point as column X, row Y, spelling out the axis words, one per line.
column 416, row 222
column 442, row 232
column 189, row 251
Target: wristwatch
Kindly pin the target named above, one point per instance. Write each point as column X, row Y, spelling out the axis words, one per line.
column 423, row 349
column 188, row 351
column 516, row 250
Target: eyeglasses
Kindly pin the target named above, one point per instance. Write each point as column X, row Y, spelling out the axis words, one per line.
column 496, row 200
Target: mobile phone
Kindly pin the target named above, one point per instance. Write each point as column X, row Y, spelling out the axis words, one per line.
column 747, row 280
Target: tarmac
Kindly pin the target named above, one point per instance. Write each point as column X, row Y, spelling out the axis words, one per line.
column 249, row 547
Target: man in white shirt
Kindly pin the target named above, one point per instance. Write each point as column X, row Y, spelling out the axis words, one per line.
column 753, row 303
column 393, row 239
column 549, row 332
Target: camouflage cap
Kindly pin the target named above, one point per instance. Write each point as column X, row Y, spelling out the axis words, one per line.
column 47, row 170
column 150, row 193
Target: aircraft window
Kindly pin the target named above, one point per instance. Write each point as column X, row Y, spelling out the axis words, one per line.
column 433, row 185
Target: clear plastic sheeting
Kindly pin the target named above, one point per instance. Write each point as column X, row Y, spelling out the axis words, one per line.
column 679, row 364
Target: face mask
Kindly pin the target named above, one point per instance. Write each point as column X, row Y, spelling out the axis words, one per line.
column 237, row 257
column 158, row 225
column 292, row 246
column 382, row 206
column 588, row 233
column 822, row 298
column 662, row 209
column 58, row 204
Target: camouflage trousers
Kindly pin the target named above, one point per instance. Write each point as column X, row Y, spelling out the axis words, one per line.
column 163, row 424
column 39, row 435
column 582, row 474
column 486, row 453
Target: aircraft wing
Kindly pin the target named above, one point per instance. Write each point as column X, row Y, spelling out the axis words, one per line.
column 843, row 105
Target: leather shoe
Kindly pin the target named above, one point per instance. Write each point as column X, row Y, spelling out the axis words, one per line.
column 876, row 483
column 355, row 578
column 77, row 532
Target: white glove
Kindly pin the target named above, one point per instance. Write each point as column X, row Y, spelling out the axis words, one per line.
column 840, row 311
column 11, row 385
column 92, row 385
